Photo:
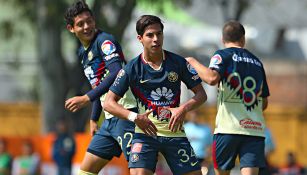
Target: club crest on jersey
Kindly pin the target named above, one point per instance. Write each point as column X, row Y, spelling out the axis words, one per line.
column 159, row 93
column 90, row 55
column 172, row 77
column 163, row 113
column 108, row 47
column 215, row 61
column 191, row 68
column 135, row 158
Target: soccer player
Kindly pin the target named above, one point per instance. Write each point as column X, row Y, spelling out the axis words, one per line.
column 242, row 97
column 101, row 57
column 154, row 78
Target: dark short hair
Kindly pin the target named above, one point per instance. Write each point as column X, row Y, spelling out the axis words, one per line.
column 74, row 10
column 233, row 31
column 146, row 20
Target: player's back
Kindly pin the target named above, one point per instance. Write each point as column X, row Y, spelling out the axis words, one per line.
column 241, row 88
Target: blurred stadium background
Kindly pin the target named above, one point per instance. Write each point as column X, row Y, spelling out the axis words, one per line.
column 39, row 70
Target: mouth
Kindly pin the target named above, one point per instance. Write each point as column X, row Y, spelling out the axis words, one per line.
column 156, row 46
column 88, row 33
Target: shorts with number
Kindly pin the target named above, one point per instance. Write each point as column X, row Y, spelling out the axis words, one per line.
column 226, row 148
column 177, row 151
column 113, row 137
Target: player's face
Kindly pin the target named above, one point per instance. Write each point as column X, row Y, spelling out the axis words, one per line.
column 152, row 39
column 84, row 27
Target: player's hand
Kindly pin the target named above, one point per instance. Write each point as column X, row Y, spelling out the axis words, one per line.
column 75, row 103
column 190, row 59
column 177, row 119
column 143, row 122
column 93, row 127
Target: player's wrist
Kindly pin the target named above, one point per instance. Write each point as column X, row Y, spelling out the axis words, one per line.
column 132, row 116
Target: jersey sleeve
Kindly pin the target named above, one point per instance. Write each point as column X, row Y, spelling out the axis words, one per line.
column 217, row 63
column 104, row 85
column 265, row 87
column 110, row 49
column 121, row 83
column 189, row 75
column 96, row 110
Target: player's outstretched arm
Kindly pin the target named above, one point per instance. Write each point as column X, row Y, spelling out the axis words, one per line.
column 208, row 75
column 141, row 120
column 75, row 103
column 178, row 114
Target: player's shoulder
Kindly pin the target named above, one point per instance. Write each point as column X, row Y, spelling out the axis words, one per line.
column 80, row 50
column 224, row 53
column 133, row 63
column 104, row 36
column 172, row 55
column 174, row 58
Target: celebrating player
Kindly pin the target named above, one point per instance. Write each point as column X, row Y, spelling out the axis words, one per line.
column 101, row 57
column 242, row 97
column 154, row 78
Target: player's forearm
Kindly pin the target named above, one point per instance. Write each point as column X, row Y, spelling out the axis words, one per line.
column 110, row 105
column 198, row 99
column 206, row 74
column 105, row 84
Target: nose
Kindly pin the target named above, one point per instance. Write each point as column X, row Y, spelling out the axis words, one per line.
column 86, row 25
column 155, row 38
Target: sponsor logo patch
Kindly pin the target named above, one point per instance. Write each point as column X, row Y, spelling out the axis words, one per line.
column 164, row 92
column 215, row 60
column 108, row 47
column 250, row 124
column 137, row 147
column 111, row 56
column 164, row 113
column 191, row 68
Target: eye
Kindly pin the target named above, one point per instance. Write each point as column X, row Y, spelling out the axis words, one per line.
column 80, row 24
column 150, row 35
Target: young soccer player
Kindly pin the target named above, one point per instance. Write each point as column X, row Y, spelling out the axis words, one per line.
column 242, row 97
column 155, row 77
column 101, row 57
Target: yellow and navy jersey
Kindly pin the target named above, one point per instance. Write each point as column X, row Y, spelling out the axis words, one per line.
column 102, row 51
column 241, row 89
column 157, row 89
column 97, row 60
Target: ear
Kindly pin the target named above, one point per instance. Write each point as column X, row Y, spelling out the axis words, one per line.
column 139, row 37
column 223, row 41
column 70, row 28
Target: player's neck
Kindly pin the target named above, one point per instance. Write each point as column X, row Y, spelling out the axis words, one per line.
column 228, row 45
column 154, row 60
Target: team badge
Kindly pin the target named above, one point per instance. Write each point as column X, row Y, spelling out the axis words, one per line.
column 164, row 113
column 191, row 68
column 172, row 77
column 90, row 55
column 108, row 47
column 134, row 158
column 215, row 61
